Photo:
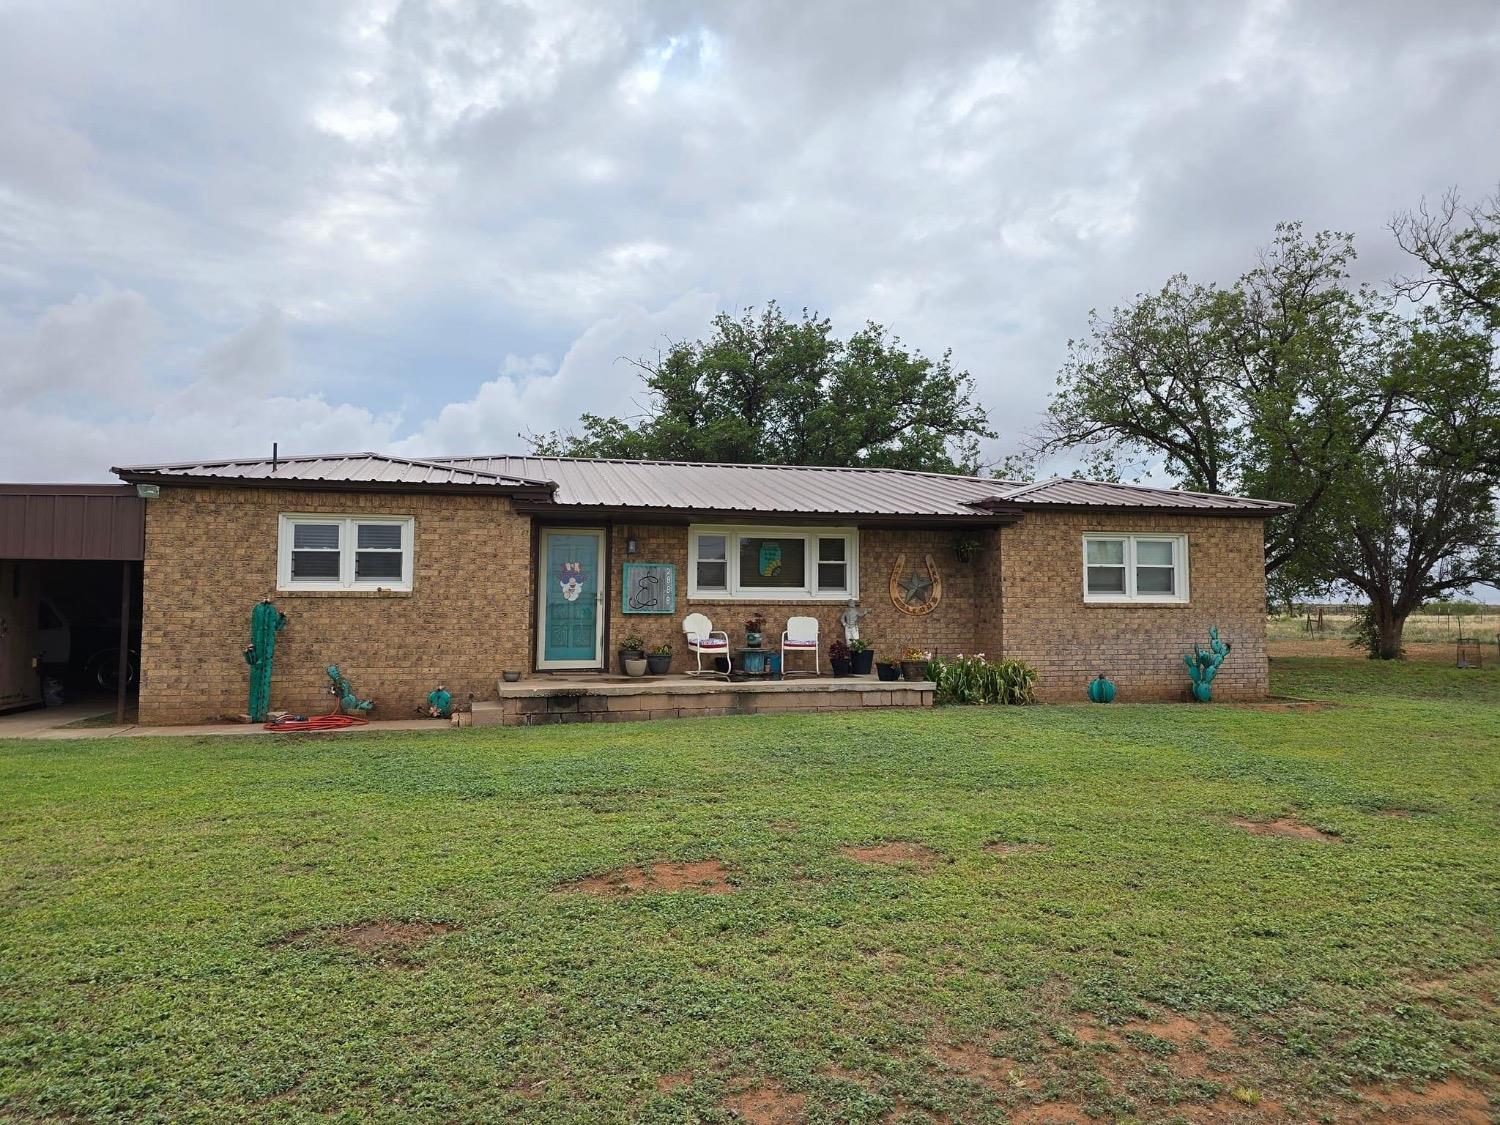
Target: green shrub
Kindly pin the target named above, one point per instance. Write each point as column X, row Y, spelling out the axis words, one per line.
column 973, row 679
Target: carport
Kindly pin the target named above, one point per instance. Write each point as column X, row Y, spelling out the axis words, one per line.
column 78, row 546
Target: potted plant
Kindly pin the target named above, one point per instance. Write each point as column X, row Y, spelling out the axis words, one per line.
column 632, row 647
column 914, row 663
column 840, row 657
column 659, row 660
column 755, row 628
column 862, row 655
column 888, row 670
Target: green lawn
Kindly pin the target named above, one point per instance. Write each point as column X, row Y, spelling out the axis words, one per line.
column 163, row 952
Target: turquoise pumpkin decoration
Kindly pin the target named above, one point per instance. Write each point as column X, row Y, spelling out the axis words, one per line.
column 1101, row 690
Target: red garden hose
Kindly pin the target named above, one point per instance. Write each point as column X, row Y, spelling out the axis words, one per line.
column 331, row 721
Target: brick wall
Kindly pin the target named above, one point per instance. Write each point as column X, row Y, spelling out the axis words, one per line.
column 211, row 555
column 949, row 628
column 1140, row 647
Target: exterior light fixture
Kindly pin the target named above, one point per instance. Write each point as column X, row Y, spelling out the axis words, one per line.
column 148, row 491
column 631, row 546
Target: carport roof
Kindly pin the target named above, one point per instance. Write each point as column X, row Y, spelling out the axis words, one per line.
column 71, row 521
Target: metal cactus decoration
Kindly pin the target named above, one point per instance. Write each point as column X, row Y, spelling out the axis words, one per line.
column 1203, row 665
column 349, row 703
column 265, row 622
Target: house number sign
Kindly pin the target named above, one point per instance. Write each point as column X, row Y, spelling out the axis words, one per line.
column 650, row 588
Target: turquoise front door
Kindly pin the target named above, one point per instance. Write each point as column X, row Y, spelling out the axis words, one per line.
column 571, row 599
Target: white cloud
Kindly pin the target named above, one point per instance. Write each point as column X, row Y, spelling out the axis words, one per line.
column 382, row 202
column 595, row 376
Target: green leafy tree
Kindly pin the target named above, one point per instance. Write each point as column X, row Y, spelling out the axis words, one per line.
column 1271, row 387
column 1297, row 385
column 765, row 389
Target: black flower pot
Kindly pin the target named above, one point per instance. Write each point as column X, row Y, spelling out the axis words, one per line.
column 841, row 667
column 658, row 663
column 914, row 670
column 864, row 662
column 888, row 672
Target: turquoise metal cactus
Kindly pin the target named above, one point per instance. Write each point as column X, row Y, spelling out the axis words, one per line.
column 265, row 622
column 1203, row 665
column 349, row 703
column 439, row 703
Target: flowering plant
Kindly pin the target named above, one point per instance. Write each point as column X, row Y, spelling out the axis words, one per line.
column 838, row 650
column 756, row 623
column 859, row 644
column 914, row 654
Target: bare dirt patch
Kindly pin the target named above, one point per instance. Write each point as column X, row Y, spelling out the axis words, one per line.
column 704, row 877
column 1049, row 1113
column 666, row 1083
column 1451, row 1100
column 1284, row 827
column 769, row 1103
column 902, row 853
column 1007, row 847
column 974, row 1061
column 377, row 936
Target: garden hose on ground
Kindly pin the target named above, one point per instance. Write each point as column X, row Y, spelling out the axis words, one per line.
column 293, row 724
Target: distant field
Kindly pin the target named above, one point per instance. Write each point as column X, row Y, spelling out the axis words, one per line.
column 1428, row 636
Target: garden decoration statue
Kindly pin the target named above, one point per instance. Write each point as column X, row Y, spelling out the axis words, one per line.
column 1101, row 689
column 1203, row 666
column 265, row 622
column 849, row 619
column 349, row 703
column 439, row 703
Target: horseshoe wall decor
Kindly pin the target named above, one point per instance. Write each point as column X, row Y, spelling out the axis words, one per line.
column 912, row 593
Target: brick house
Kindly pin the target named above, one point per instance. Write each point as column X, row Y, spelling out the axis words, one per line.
column 409, row 573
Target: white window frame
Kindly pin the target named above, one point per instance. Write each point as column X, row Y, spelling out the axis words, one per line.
column 807, row 592
column 348, row 547
column 1131, row 596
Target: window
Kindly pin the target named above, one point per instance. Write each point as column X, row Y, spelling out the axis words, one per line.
column 773, row 562
column 344, row 553
column 1135, row 568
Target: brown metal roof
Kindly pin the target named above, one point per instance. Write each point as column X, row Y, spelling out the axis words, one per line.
column 369, row 470
column 750, row 489
column 589, row 485
column 71, row 521
column 1069, row 492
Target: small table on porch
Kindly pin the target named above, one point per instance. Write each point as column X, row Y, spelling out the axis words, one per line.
column 752, row 663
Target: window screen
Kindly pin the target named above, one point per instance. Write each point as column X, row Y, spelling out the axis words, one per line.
column 315, row 552
column 1105, row 559
column 713, row 563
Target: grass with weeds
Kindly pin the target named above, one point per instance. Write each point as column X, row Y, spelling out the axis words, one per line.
column 377, row 926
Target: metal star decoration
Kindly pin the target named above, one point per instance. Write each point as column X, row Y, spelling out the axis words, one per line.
column 916, row 589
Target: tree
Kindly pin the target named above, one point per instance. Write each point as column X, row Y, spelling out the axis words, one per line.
column 1411, row 523
column 768, row 390
column 1459, row 251
column 1271, row 387
column 1294, row 384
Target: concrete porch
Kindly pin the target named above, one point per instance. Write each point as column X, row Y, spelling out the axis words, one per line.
column 603, row 698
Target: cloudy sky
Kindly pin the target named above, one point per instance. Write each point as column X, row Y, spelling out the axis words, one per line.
column 429, row 227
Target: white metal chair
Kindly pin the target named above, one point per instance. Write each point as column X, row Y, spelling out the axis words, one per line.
column 801, row 635
column 702, row 638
